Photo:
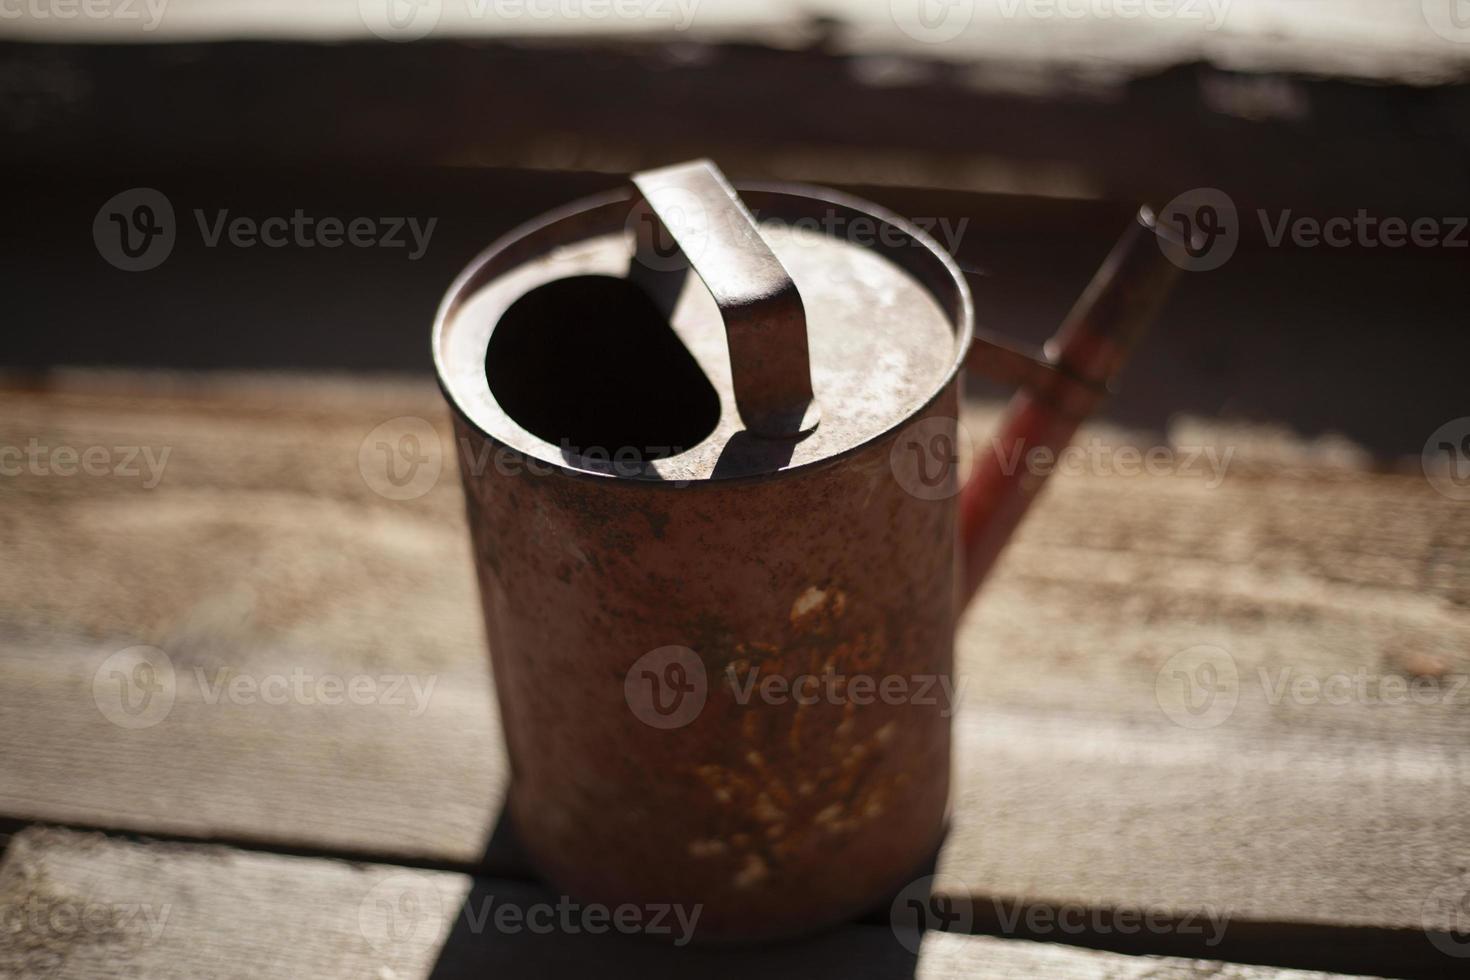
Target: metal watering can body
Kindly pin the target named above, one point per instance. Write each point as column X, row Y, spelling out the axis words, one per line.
column 720, row 534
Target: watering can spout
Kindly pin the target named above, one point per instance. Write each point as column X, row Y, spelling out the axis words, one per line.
column 1061, row 385
column 812, row 507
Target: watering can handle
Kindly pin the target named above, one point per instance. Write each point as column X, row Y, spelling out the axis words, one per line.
column 765, row 322
column 1060, row 386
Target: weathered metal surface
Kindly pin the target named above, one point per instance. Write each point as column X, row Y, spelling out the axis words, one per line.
column 776, row 816
column 690, row 652
column 724, row 669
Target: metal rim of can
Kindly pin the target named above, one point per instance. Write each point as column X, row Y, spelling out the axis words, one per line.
column 934, row 268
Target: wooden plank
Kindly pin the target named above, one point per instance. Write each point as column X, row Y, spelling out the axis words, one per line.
column 1302, row 803
column 86, row 906
column 1367, row 39
column 1167, row 116
column 261, row 552
column 946, row 956
column 263, row 548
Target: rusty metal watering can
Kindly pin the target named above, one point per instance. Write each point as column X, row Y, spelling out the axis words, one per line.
column 721, row 536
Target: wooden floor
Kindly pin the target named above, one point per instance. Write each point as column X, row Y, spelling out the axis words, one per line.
column 230, row 837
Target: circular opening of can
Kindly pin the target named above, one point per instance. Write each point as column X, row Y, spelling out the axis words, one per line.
column 590, row 365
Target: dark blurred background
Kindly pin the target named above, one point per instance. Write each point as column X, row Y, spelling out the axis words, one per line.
column 1042, row 132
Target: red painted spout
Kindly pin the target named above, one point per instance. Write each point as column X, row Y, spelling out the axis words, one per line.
column 1061, row 389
